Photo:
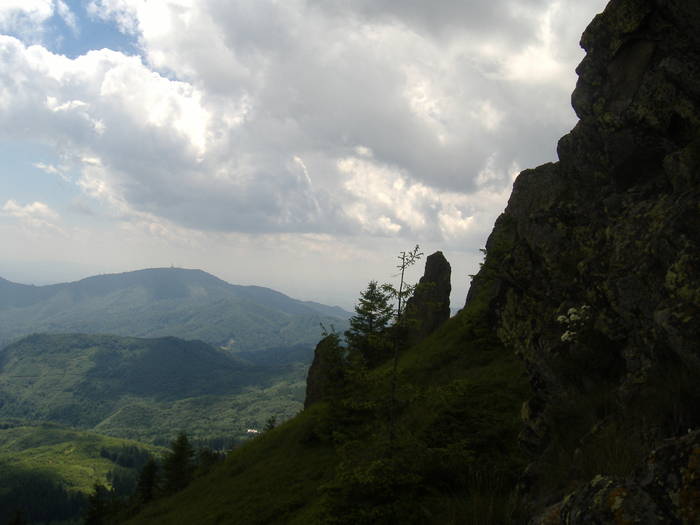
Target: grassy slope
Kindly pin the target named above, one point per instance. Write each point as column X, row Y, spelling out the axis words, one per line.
column 273, row 478
column 461, row 390
column 67, row 454
column 143, row 389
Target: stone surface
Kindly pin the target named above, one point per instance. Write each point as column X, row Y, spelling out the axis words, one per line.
column 325, row 376
column 612, row 227
column 430, row 305
column 665, row 490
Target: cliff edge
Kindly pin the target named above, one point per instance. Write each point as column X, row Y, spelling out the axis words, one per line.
column 592, row 269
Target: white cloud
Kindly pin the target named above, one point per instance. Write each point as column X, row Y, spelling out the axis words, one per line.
column 36, row 215
column 27, row 18
column 384, row 201
column 17, row 12
column 48, row 168
column 370, row 119
column 66, row 14
column 35, row 210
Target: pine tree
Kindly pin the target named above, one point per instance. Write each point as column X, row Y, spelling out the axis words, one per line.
column 270, row 423
column 97, row 507
column 178, row 465
column 367, row 332
column 147, row 484
column 206, row 460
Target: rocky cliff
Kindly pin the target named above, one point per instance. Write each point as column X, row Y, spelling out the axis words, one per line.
column 325, row 374
column 429, row 306
column 592, row 270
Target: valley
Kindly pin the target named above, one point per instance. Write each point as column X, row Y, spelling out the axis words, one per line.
column 124, row 380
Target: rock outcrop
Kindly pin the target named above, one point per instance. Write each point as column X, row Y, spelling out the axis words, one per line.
column 666, row 489
column 592, row 271
column 429, row 306
column 326, row 373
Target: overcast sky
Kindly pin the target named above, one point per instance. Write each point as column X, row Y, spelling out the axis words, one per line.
column 295, row 144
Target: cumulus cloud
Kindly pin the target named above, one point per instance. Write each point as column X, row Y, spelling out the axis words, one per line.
column 27, row 17
column 36, row 215
column 384, row 201
column 377, row 118
column 14, row 13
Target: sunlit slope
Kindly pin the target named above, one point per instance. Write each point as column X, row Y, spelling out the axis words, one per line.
column 48, row 470
column 77, row 458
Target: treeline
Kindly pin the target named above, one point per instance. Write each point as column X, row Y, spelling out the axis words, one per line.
column 34, row 497
column 156, row 479
column 219, row 443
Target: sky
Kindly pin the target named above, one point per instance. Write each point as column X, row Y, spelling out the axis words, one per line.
column 294, row 144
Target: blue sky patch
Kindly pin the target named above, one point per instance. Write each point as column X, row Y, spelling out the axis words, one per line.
column 91, row 33
column 23, row 182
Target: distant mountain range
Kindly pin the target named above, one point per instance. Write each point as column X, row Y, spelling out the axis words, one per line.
column 158, row 302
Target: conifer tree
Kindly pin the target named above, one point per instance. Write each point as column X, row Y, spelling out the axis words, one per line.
column 373, row 313
column 97, row 507
column 147, row 484
column 206, row 460
column 178, row 465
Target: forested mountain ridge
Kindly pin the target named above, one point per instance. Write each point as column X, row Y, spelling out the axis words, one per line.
column 159, row 302
column 145, row 389
column 566, row 390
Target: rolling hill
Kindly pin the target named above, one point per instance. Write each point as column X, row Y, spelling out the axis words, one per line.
column 61, row 465
column 145, row 389
column 159, row 302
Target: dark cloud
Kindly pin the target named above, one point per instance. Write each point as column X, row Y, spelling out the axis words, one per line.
column 508, row 20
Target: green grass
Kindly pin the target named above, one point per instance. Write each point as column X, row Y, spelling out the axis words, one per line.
column 271, row 479
column 61, row 453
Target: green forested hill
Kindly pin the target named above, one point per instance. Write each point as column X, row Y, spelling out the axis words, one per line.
column 160, row 302
column 48, row 470
column 146, row 389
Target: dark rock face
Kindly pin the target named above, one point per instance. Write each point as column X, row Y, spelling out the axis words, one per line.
column 430, row 305
column 325, row 375
column 666, row 489
column 593, row 270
